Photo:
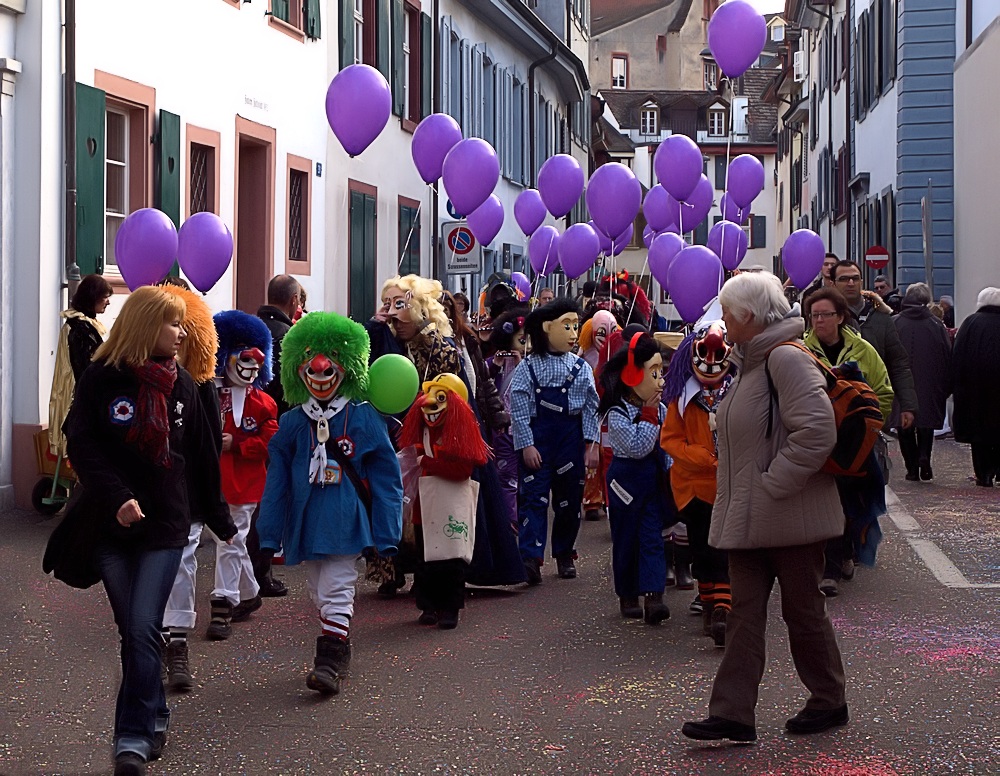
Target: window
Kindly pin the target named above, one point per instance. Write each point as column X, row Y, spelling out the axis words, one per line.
column 299, row 215
column 359, row 31
column 407, row 87
column 716, row 123
column 619, row 71
column 888, row 43
column 778, row 33
column 362, row 272
column 409, row 237
column 202, row 170
column 720, row 172
column 758, row 232
column 296, row 18
column 649, row 120
column 116, row 190
column 711, row 76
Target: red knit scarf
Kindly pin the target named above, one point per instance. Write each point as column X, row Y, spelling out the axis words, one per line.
column 150, row 429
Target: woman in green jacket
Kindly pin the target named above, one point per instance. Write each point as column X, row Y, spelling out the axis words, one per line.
column 835, row 343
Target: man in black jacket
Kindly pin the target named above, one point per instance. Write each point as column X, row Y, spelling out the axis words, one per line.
column 283, row 297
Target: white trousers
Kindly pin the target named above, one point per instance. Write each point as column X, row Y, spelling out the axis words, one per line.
column 234, row 579
column 331, row 587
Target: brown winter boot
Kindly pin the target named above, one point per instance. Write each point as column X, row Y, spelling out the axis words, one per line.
column 333, row 658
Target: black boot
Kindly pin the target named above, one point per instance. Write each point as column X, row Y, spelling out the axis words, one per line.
column 682, row 566
column 668, row 558
column 333, row 658
column 220, row 628
column 654, row 610
column 718, row 626
column 706, row 621
column 630, row 608
column 178, row 668
column 566, row 567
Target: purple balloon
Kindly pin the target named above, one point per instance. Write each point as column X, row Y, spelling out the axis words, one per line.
column 578, row 249
column 678, row 165
column 145, row 247
column 745, row 180
column 560, row 182
column 605, row 240
column 622, row 241
column 647, row 236
column 358, row 106
column 729, row 243
column 656, row 208
column 695, row 208
column 433, row 138
column 802, row 256
column 485, row 221
column 694, row 279
column 543, row 249
column 737, row 33
column 662, row 252
column 522, row 284
column 732, row 212
column 529, row 211
column 470, row 173
column 613, row 197
column 204, row 249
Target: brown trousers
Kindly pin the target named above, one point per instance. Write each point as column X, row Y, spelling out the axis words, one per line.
column 810, row 632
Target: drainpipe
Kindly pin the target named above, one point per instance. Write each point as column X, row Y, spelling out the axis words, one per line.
column 69, row 141
column 532, row 107
column 829, row 108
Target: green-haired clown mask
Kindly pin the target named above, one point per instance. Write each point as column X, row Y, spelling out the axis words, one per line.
column 324, row 355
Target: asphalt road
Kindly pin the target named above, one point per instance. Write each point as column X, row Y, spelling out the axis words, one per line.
column 547, row 680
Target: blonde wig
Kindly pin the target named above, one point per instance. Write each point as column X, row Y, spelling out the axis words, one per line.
column 197, row 353
column 424, row 296
column 138, row 326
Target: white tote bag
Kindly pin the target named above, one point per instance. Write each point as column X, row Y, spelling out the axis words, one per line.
column 448, row 517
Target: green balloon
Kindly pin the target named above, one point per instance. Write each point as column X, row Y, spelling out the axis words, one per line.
column 392, row 383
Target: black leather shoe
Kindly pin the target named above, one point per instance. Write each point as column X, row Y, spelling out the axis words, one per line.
column 130, row 764
column 719, row 729
column 243, row 610
column 272, row 588
column 926, row 473
column 912, row 476
column 533, row 568
column 817, row 720
column 566, row 568
column 629, row 607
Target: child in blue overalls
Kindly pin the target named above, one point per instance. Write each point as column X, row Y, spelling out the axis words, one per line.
column 632, row 381
column 553, row 419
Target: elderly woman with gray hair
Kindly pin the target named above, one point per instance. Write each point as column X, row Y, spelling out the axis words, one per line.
column 774, row 511
column 928, row 345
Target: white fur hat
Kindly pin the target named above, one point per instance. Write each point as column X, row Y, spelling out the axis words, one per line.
column 988, row 296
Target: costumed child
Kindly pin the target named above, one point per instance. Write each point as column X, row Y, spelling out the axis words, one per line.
column 333, row 486
column 699, row 374
column 509, row 343
column 445, row 433
column 554, row 423
column 595, row 339
column 631, row 383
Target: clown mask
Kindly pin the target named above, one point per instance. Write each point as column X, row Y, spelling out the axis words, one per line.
column 652, row 379
column 243, row 366
column 322, row 377
column 604, row 324
column 710, row 355
column 436, row 395
column 562, row 333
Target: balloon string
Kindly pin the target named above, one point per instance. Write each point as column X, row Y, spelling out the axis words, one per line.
column 635, row 296
column 406, row 245
column 729, row 146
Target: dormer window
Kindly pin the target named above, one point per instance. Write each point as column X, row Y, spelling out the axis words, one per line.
column 778, row 33
column 649, row 119
column 717, row 122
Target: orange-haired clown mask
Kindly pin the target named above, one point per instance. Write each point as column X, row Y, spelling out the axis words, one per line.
column 710, row 355
column 436, row 395
column 243, row 366
column 322, row 376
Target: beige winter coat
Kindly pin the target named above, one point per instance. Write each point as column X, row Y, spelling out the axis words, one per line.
column 770, row 492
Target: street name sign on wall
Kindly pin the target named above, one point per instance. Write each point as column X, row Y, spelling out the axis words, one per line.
column 463, row 253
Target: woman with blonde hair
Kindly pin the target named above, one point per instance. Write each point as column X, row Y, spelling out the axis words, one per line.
column 140, row 443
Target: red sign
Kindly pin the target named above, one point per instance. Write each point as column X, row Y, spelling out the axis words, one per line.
column 877, row 257
column 461, row 241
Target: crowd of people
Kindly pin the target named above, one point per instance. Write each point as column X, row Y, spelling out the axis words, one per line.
column 707, row 452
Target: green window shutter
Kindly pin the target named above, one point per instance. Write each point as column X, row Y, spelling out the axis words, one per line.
column 280, row 10
column 90, row 128
column 398, row 62
column 362, row 256
column 312, row 9
column 720, row 172
column 426, row 64
column 346, row 33
column 383, row 35
column 758, row 232
column 409, row 240
column 168, row 157
column 368, row 303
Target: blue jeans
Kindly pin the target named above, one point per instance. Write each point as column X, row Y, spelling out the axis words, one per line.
column 138, row 584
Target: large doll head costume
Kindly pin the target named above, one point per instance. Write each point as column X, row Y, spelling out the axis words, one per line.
column 554, row 328
column 443, row 407
column 413, row 303
column 634, row 373
column 199, row 348
column 508, row 335
column 244, row 355
column 324, row 356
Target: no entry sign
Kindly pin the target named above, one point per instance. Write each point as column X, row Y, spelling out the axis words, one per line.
column 877, row 257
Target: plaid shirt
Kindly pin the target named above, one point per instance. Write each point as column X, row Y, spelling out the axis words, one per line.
column 631, row 437
column 551, row 372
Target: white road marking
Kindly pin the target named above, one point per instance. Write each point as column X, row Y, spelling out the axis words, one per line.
column 937, row 562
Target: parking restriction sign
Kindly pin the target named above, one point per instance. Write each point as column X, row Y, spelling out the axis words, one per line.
column 463, row 253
